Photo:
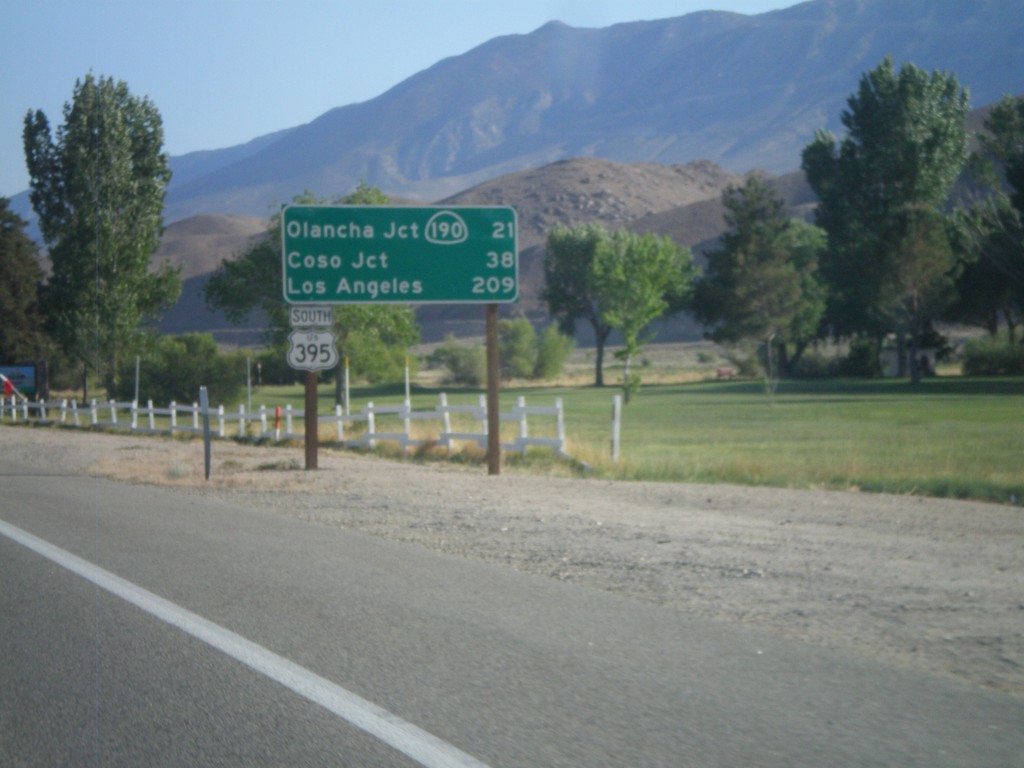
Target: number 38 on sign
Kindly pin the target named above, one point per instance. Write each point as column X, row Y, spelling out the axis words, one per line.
column 312, row 350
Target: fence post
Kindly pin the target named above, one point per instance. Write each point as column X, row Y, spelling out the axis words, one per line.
column 371, row 429
column 152, row 418
column 521, row 404
column 74, row 411
column 135, row 415
column 113, row 413
column 241, row 420
column 174, row 416
column 93, row 415
column 616, row 426
column 561, row 424
column 406, row 421
column 220, row 421
column 340, row 422
column 263, row 420
column 288, row 419
column 195, row 416
column 446, row 420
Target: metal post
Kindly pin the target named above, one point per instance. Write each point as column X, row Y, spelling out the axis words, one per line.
column 204, row 404
column 493, row 414
column 312, row 436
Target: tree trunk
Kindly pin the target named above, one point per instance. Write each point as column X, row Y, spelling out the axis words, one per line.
column 901, row 354
column 770, row 373
column 600, row 337
column 627, row 389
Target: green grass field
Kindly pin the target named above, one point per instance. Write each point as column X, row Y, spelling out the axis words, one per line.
column 952, row 436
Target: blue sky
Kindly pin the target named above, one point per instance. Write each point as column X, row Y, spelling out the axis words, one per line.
column 223, row 72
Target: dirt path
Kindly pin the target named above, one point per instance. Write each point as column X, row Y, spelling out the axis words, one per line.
column 933, row 585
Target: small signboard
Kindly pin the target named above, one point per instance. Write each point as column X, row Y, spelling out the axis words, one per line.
column 22, row 377
column 311, row 316
column 345, row 254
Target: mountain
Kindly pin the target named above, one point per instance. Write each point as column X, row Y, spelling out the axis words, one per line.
column 742, row 91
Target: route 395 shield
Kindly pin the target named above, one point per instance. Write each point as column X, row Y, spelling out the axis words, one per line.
column 312, row 350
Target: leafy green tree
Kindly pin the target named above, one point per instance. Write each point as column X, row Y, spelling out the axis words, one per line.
column 98, row 189
column 919, row 285
column 989, row 237
column 622, row 281
column 374, row 337
column 905, row 146
column 638, row 277
column 570, row 286
column 1004, row 143
column 761, row 283
column 21, row 336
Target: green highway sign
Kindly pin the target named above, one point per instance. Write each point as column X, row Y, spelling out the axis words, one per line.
column 343, row 254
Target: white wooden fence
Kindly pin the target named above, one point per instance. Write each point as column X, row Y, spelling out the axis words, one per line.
column 264, row 422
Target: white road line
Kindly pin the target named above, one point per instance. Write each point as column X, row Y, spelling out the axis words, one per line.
column 414, row 742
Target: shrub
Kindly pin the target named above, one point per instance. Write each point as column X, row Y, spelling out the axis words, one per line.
column 993, row 357
column 553, row 351
column 517, row 348
column 175, row 367
column 861, row 361
column 466, row 365
column 274, row 367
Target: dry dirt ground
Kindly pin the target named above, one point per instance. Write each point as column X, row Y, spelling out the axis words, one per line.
column 932, row 585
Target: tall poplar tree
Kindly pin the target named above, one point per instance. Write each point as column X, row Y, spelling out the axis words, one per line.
column 906, row 144
column 98, row 188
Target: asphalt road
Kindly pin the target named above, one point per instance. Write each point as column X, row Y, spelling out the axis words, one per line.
column 239, row 637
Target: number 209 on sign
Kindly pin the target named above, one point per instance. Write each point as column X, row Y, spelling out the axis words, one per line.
column 496, row 284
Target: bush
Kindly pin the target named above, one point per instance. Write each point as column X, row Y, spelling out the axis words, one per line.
column 274, row 368
column 814, row 365
column 517, row 348
column 861, row 361
column 993, row 357
column 466, row 365
column 553, row 352
column 173, row 368
column 377, row 361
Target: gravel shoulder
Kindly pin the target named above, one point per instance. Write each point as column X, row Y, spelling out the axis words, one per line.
column 928, row 584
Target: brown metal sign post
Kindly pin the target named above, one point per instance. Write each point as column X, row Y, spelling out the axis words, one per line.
column 493, row 414
column 312, row 436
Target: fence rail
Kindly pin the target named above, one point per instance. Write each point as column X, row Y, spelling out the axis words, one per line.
column 177, row 419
